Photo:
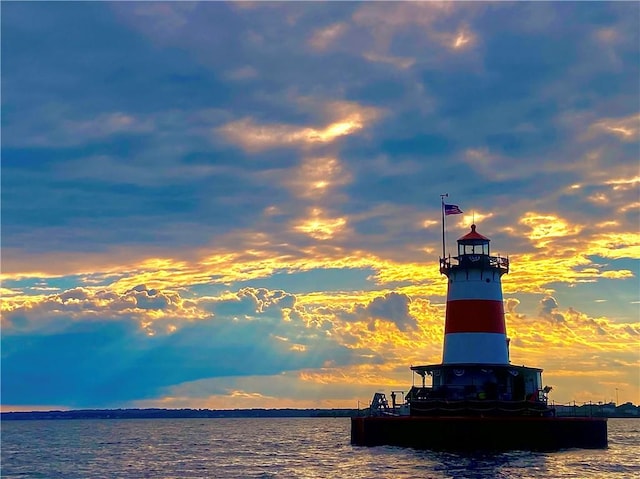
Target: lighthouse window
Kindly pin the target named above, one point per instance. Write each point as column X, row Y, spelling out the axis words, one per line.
column 474, row 249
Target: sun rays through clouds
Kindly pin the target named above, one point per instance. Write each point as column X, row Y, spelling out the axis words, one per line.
column 232, row 205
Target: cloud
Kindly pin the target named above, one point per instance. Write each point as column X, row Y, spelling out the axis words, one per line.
column 545, row 227
column 392, row 307
column 122, row 355
column 320, row 226
column 495, row 166
column 185, row 184
column 399, row 62
column 249, row 302
column 316, row 177
column 243, row 73
column 50, row 131
column 625, row 129
column 324, row 37
column 549, row 309
column 150, row 298
column 305, row 389
column 348, row 119
column 439, row 24
column 158, row 20
column 155, row 311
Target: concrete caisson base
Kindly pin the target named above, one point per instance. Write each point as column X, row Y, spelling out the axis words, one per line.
column 480, row 433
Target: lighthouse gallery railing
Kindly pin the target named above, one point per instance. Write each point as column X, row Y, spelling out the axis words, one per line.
column 499, row 262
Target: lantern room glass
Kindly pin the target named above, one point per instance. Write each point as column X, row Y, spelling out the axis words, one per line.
column 480, row 248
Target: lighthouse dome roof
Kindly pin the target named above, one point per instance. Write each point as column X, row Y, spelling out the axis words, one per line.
column 473, row 235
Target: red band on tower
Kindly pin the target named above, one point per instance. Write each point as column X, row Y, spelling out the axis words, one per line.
column 475, row 316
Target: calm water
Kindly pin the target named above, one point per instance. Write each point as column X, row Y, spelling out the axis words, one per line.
column 287, row 448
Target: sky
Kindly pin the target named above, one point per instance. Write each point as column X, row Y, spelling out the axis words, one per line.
column 237, row 205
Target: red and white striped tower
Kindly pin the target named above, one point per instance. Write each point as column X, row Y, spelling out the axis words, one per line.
column 475, row 330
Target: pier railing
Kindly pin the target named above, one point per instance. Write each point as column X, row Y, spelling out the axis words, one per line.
column 468, row 407
column 587, row 409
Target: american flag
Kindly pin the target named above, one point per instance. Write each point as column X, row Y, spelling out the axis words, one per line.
column 452, row 210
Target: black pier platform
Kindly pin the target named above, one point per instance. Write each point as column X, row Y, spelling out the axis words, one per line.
column 480, row 433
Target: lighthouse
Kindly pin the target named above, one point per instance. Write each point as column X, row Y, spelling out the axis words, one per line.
column 475, row 331
column 475, row 399
column 476, row 376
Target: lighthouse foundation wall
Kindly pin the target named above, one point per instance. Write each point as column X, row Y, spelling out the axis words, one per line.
column 480, row 433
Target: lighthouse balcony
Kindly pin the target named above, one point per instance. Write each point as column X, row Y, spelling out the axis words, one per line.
column 478, row 390
column 476, row 261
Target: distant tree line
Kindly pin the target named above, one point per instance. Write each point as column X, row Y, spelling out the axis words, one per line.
column 589, row 409
column 156, row 413
column 598, row 410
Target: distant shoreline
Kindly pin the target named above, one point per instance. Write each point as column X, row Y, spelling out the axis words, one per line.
column 156, row 413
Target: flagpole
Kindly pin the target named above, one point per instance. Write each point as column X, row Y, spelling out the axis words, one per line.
column 442, row 197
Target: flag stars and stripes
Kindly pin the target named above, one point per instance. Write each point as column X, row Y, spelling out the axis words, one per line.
column 452, row 210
